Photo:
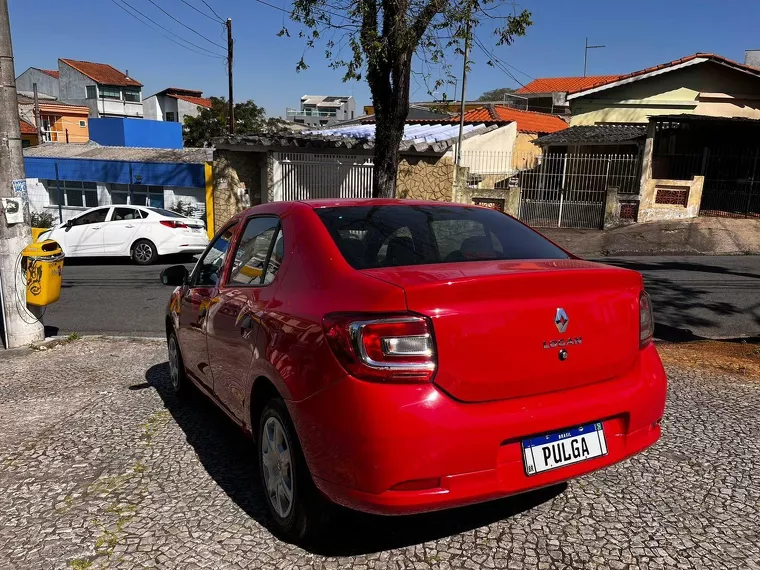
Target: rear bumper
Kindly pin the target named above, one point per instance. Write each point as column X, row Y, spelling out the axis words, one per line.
column 362, row 439
column 183, row 244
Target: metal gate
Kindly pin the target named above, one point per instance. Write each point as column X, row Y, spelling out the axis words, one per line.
column 570, row 190
column 732, row 184
column 303, row 176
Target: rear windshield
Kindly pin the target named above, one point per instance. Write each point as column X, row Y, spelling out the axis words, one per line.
column 166, row 213
column 388, row 236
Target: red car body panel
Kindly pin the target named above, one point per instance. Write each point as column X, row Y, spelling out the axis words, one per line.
column 454, row 440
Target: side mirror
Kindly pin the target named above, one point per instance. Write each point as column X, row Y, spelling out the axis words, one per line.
column 67, row 224
column 175, row 275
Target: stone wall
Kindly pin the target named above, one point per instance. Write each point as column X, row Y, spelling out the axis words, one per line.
column 237, row 182
column 425, row 178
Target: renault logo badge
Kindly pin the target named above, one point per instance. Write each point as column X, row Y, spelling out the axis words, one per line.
column 561, row 320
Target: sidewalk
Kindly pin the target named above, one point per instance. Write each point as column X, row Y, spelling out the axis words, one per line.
column 699, row 236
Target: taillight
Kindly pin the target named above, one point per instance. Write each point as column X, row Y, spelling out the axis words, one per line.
column 173, row 224
column 390, row 348
column 646, row 320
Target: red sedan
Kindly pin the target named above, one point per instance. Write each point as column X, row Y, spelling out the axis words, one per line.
column 398, row 357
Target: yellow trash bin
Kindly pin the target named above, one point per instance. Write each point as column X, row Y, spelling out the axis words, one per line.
column 42, row 263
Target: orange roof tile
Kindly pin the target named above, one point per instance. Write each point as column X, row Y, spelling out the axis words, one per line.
column 564, row 84
column 27, row 128
column 674, row 63
column 102, row 73
column 50, row 72
column 527, row 121
column 200, row 101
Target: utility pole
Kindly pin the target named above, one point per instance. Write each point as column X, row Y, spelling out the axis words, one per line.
column 231, row 112
column 585, row 55
column 37, row 122
column 21, row 327
column 464, row 87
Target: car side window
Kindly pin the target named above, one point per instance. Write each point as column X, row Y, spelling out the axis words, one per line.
column 121, row 214
column 254, row 254
column 94, row 217
column 208, row 272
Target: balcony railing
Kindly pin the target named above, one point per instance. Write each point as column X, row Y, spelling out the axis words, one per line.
column 61, row 137
column 310, row 113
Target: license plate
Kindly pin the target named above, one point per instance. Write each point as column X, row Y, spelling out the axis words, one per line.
column 546, row 452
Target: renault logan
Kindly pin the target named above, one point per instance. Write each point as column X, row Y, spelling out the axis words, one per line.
column 399, row 357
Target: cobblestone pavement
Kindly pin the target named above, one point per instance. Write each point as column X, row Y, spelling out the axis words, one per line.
column 101, row 467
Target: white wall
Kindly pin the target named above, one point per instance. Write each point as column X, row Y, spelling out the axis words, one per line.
column 151, row 109
column 121, row 108
column 193, row 196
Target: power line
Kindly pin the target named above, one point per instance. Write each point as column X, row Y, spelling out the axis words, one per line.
column 316, row 9
column 142, row 21
column 497, row 62
column 202, row 13
column 186, row 26
column 214, row 11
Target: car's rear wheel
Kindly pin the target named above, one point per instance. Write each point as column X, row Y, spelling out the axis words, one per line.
column 179, row 381
column 144, row 252
column 297, row 508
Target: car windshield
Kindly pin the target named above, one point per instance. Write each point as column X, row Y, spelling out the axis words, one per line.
column 166, row 213
column 396, row 235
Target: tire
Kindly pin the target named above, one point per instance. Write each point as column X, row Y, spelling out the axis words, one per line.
column 298, row 509
column 144, row 252
column 177, row 377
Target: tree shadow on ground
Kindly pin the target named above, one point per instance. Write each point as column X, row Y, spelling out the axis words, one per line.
column 228, row 456
column 720, row 304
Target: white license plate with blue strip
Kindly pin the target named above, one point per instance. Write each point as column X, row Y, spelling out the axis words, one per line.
column 546, row 452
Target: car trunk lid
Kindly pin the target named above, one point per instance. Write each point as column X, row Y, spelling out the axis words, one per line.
column 499, row 326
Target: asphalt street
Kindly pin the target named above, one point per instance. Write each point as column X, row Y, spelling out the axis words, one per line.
column 694, row 297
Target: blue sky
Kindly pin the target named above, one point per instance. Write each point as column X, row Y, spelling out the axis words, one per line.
column 637, row 35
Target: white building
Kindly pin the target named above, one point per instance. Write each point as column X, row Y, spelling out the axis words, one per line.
column 174, row 104
column 322, row 110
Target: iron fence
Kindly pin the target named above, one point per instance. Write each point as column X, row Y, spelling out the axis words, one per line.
column 556, row 190
column 303, row 176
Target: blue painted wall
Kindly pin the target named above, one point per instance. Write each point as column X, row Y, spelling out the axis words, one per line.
column 115, row 171
column 111, row 131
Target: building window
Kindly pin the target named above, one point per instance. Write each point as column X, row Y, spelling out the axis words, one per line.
column 92, row 92
column 141, row 195
column 110, row 92
column 132, row 95
column 74, row 193
column 83, row 124
column 171, row 116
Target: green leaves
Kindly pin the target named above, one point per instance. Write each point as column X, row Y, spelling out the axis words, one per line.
column 212, row 123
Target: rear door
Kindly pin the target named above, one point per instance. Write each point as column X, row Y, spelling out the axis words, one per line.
column 234, row 321
column 120, row 230
column 198, row 298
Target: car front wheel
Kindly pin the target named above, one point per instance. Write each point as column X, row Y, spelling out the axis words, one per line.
column 297, row 508
column 144, row 252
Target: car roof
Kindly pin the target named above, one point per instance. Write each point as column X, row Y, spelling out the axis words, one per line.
column 349, row 202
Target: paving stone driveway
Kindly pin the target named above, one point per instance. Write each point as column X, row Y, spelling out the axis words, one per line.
column 101, row 467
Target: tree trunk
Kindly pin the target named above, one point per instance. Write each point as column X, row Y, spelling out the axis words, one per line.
column 390, row 94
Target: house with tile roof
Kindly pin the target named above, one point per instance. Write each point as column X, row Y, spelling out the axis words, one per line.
column 173, row 104
column 105, row 90
column 549, row 94
column 46, row 80
column 59, row 122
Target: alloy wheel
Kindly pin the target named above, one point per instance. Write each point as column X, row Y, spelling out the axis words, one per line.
column 143, row 252
column 174, row 362
column 277, row 467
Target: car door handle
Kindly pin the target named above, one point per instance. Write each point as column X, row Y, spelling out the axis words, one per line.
column 129, row 226
column 95, row 227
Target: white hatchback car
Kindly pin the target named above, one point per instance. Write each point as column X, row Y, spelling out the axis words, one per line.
column 143, row 233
